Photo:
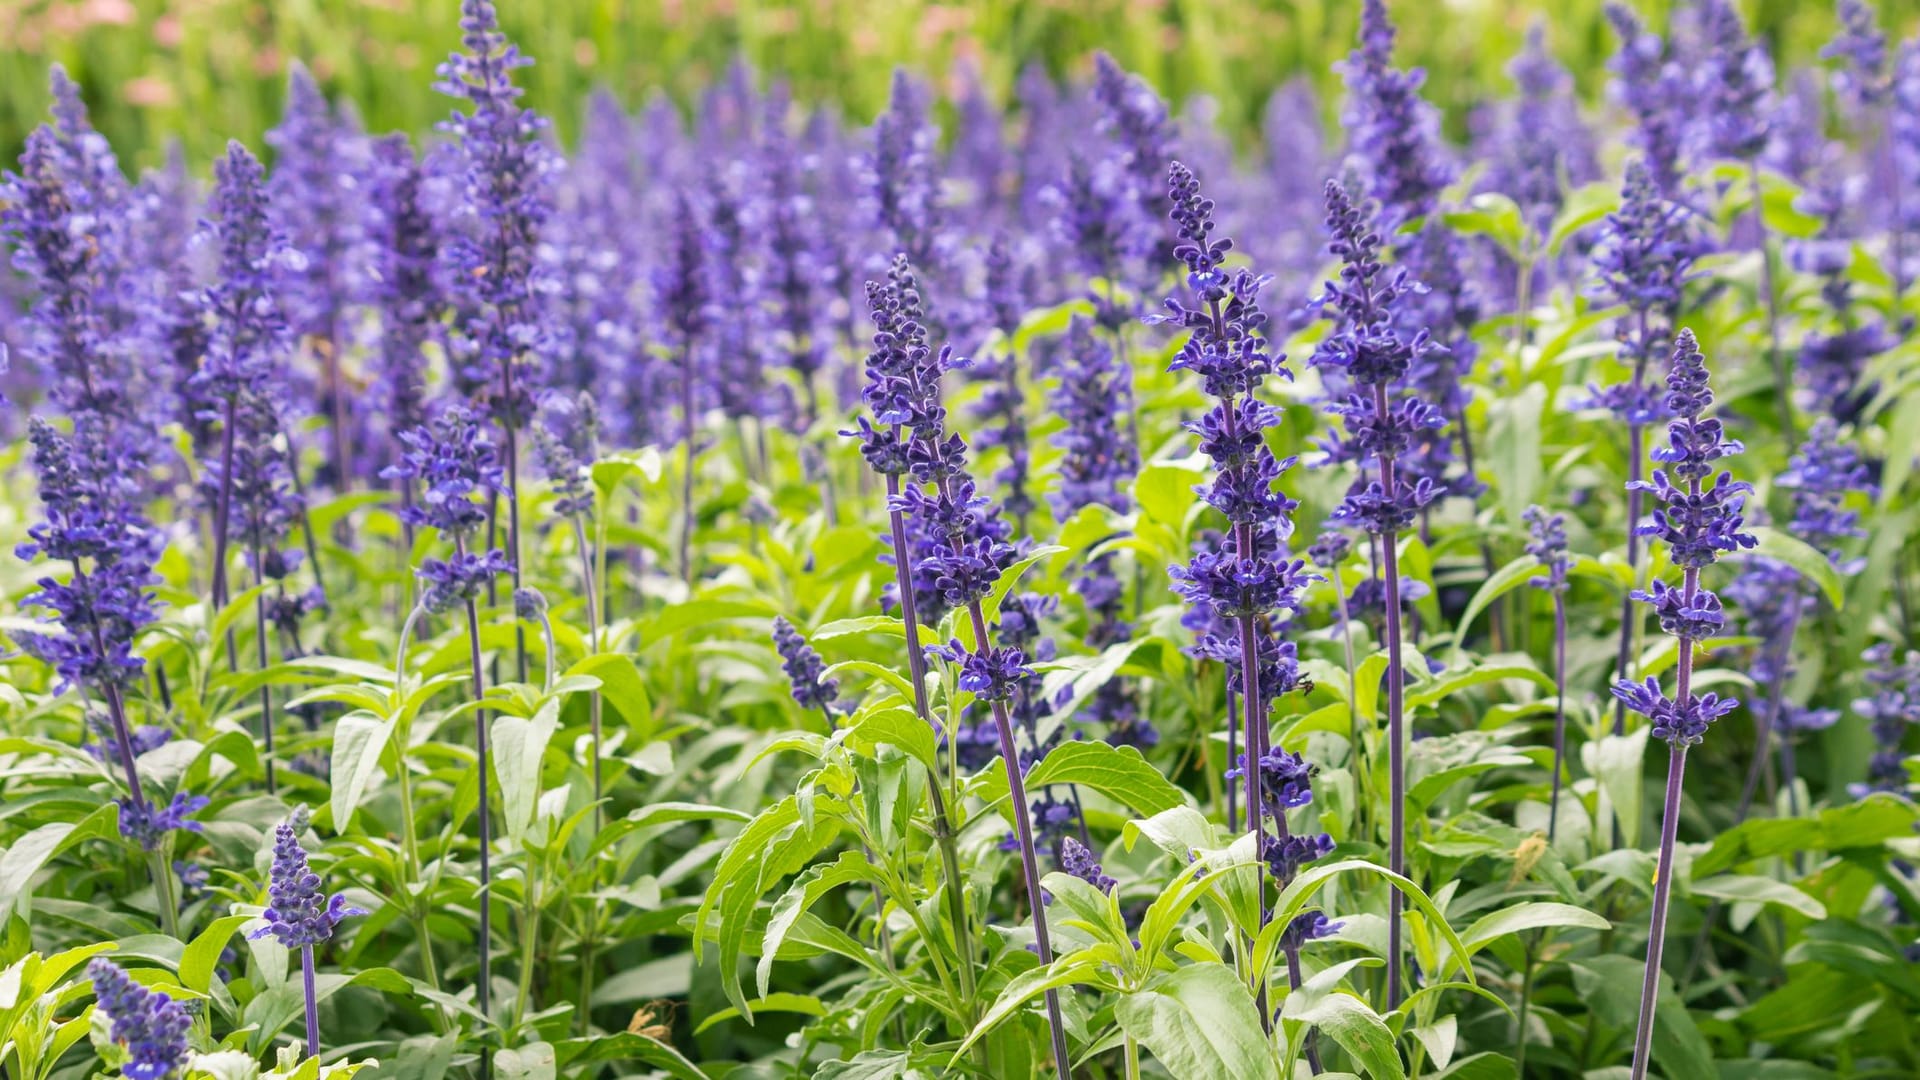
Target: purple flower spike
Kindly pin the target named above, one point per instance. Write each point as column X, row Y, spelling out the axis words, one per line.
column 804, row 668
column 150, row 1025
column 299, row 912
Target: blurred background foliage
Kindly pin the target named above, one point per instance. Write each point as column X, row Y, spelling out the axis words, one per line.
column 202, row 70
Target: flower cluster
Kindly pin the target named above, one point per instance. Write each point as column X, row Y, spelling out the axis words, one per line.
column 1135, row 122
column 1644, row 259
column 566, row 445
column 1002, row 404
column 92, row 523
column 804, row 668
column 902, row 184
column 1653, row 87
column 1734, row 86
column 1891, row 707
column 147, row 824
column 149, row 1024
column 1548, row 543
column 1367, row 350
column 248, row 346
column 1861, row 47
column 299, row 912
column 1078, row 860
column 1547, row 146
column 492, row 247
column 1700, row 518
column 405, row 288
column 1393, row 135
column 454, row 457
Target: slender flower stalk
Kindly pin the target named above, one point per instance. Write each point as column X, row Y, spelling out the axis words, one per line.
column 888, row 454
column 300, row 914
column 1644, row 260
column 1700, row 518
column 969, row 550
column 455, row 461
column 1549, row 546
column 566, row 448
column 1248, row 582
column 681, row 291
column 506, row 200
column 1373, row 354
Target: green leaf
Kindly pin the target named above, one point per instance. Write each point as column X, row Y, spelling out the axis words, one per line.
column 1493, row 216
column 1584, row 205
column 1760, row 890
column 359, row 738
column 1165, row 492
column 19, row 863
column 1200, row 1021
column 1357, row 1028
column 901, row 727
column 1504, row 580
column 518, row 748
column 202, row 955
column 1513, row 450
column 804, row 1004
column 1615, row 761
column 1610, row 987
column 1527, row 916
column 1804, row 560
column 1024, row 987
column 1869, row 823
column 620, row 687
column 1118, row 772
column 1479, row 675
column 805, row 891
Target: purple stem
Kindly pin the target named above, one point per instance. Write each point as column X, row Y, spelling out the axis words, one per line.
column 917, row 668
column 1030, row 866
column 260, row 655
column 1669, row 833
column 483, row 989
column 1233, row 752
column 1396, row 727
column 313, row 1004
column 223, row 509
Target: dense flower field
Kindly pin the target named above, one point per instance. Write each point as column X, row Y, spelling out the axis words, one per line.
column 764, row 596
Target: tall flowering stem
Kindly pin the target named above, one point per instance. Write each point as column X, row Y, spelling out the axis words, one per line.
column 968, row 551
column 300, row 914
column 887, row 452
column 508, row 171
column 455, row 462
column 682, row 293
column 1699, row 519
column 1644, row 259
column 1248, row 580
column 1548, row 544
column 1381, row 424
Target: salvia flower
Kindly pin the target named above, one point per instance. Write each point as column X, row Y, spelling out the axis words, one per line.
column 1079, row 861
column 299, row 912
column 454, row 459
column 1654, row 88
column 1734, row 85
column 492, row 251
column 149, row 1024
column 93, row 524
column 147, row 824
column 1098, row 461
column 1393, row 135
column 1136, row 122
column 1699, row 519
column 804, row 668
column 902, row 175
column 1823, row 476
column 1548, row 544
column 1861, row 48
column 1891, row 707
column 1644, row 259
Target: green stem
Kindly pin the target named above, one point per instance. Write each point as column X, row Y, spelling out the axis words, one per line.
column 162, row 872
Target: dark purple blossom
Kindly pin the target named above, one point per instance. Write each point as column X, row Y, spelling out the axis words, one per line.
column 1393, row 134
column 454, row 459
column 804, row 668
column 1862, row 75
column 1734, row 85
column 151, row 1026
column 491, row 251
column 147, row 824
column 1654, row 88
column 1079, row 861
column 299, row 912
column 1891, row 707
column 1548, row 544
